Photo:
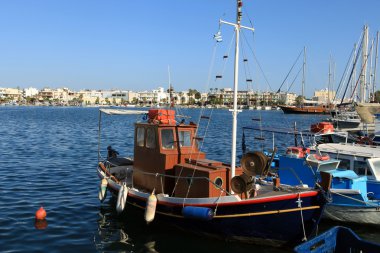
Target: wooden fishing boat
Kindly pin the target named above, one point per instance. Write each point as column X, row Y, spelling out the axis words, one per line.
column 170, row 179
column 195, row 193
column 317, row 109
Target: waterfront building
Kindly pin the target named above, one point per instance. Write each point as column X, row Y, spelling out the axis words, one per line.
column 324, row 96
column 30, row 92
column 158, row 96
column 286, row 98
column 91, row 96
column 60, row 95
column 13, row 94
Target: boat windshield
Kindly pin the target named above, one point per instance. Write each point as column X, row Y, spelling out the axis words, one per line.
column 184, row 138
column 150, row 138
column 361, row 168
column 140, row 136
column 167, row 139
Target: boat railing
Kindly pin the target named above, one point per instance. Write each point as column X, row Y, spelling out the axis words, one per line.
column 346, row 152
column 161, row 176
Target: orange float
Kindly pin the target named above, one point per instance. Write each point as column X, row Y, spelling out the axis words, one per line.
column 41, row 214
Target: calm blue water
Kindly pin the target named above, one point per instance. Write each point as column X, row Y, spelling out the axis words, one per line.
column 48, row 157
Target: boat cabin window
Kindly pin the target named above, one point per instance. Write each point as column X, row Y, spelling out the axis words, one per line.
column 361, row 168
column 150, row 137
column 167, row 139
column 184, row 138
column 344, row 164
column 140, row 136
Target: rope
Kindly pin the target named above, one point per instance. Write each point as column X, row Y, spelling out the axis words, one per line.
column 227, row 53
column 217, row 203
column 279, row 89
column 357, row 200
column 201, row 112
column 257, row 61
column 193, row 174
column 299, row 201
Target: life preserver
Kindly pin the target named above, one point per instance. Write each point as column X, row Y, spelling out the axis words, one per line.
column 324, row 157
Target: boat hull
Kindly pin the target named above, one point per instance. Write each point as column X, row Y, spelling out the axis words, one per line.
column 304, row 110
column 277, row 220
column 354, row 214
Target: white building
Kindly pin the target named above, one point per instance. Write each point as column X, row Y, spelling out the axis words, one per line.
column 30, row 92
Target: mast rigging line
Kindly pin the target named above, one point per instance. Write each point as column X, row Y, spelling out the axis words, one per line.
column 245, row 65
column 257, row 61
column 295, row 78
column 279, row 89
column 347, row 65
column 227, row 53
column 361, row 71
column 352, row 71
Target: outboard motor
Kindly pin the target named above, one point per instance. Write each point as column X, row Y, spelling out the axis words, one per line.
column 111, row 153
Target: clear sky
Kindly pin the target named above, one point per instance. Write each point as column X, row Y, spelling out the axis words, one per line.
column 125, row 44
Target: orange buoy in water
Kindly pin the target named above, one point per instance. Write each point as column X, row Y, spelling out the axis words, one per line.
column 41, row 214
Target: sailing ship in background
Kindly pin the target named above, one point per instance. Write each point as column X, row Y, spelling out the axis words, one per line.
column 306, row 107
column 170, row 180
column 357, row 111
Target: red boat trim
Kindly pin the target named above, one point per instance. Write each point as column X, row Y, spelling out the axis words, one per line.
column 241, row 214
column 242, row 202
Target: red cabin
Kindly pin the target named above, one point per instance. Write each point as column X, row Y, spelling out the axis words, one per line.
column 166, row 148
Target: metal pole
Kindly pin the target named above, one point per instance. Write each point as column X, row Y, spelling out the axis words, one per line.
column 235, row 110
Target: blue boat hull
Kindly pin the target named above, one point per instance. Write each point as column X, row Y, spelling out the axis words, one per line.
column 275, row 223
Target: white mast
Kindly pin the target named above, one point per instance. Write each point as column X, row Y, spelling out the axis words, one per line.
column 329, row 84
column 363, row 74
column 303, row 72
column 375, row 67
column 235, row 110
column 354, row 76
column 369, row 87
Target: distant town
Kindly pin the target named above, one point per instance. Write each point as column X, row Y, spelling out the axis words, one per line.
column 214, row 97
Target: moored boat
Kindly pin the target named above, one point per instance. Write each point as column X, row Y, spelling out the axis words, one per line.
column 170, row 179
column 351, row 201
column 318, row 109
column 180, row 176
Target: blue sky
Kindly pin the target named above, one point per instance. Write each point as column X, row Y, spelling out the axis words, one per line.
column 129, row 44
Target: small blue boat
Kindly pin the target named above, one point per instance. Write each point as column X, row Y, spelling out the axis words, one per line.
column 337, row 239
column 350, row 198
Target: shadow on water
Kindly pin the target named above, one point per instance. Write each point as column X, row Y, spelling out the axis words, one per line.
column 130, row 233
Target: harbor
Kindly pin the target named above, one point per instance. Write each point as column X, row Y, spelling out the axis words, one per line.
column 228, row 169
column 54, row 152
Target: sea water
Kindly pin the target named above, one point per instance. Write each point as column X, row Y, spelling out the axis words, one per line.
column 49, row 155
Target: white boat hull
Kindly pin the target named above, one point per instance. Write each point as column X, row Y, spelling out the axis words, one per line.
column 355, row 214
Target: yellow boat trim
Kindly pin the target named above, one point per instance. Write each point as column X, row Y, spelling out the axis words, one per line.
column 243, row 214
column 268, row 212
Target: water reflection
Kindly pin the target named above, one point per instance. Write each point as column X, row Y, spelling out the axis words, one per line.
column 130, row 233
column 40, row 224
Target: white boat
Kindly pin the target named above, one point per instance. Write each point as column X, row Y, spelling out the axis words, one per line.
column 364, row 160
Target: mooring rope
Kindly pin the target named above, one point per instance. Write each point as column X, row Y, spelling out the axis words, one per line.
column 299, row 201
